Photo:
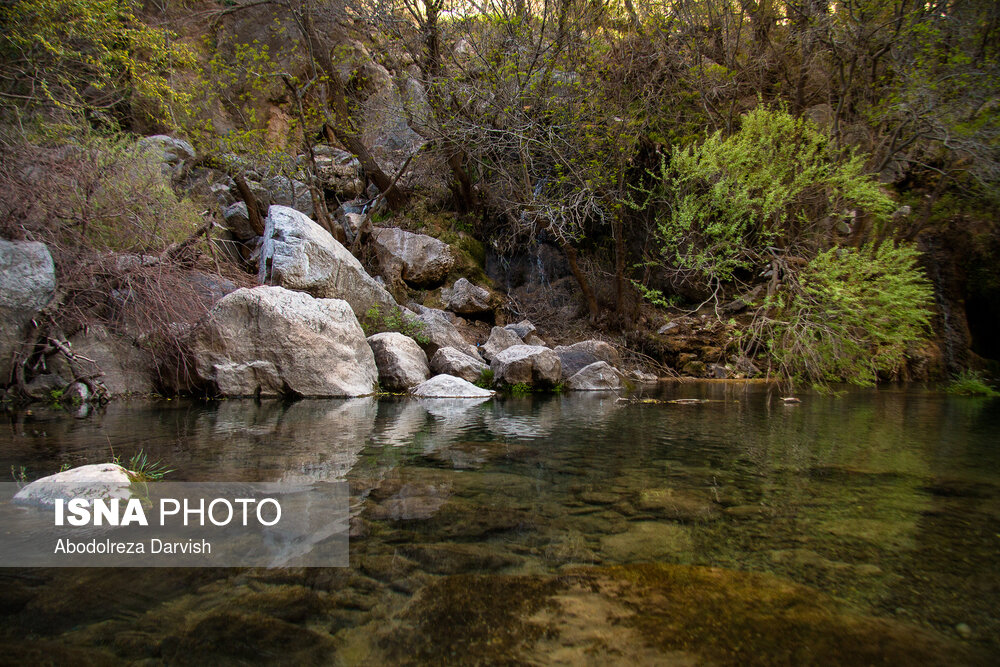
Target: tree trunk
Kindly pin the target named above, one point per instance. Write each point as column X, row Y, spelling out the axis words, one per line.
column 342, row 128
column 581, row 279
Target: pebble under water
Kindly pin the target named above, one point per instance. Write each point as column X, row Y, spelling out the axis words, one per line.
column 862, row 528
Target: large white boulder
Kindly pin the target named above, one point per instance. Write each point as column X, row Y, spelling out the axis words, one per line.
column 526, row 364
column 271, row 341
column 27, row 283
column 303, row 256
column 401, row 363
column 105, row 481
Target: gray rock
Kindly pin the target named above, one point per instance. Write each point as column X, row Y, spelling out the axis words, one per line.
column 126, row 369
column 237, row 221
column 76, row 394
column 27, row 283
column 289, row 192
column 303, row 256
column 532, row 339
column 440, row 332
column 45, row 387
column 500, row 339
column 174, row 155
column 598, row 376
column 575, row 357
column 401, row 363
column 418, row 259
column 449, row 386
column 105, row 481
column 521, row 329
column 339, row 171
column 694, row 368
column 465, row 298
column 270, row 341
column 528, row 364
column 449, row 361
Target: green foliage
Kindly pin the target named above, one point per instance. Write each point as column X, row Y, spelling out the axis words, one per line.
column 92, row 56
column 971, row 383
column 485, row 379
column 724, row 205
column 374, row 322
column 141, row 469
column 19, row 475
column 848, row 316
column 519, row 389
column 99, row 192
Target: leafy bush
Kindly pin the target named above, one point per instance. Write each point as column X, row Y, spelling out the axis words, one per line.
column 847, row 316
column 970, row 383
column 374, row 322
column 485, row 379
column 725, row 205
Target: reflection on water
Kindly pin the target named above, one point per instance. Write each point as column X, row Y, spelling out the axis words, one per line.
column 887, row 501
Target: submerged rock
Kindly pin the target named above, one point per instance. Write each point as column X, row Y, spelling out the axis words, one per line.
column 401, row 363
column 449, row 386
column 647, row 541
column 304, row 257
column 655, row 614
column 526, row 364
column 269, row 341
column 677, row 504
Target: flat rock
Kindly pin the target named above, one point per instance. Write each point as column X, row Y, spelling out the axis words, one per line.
column 647, row 541
column 677, row 504
column 401, row 363
column 270, row 341
column 449, row 386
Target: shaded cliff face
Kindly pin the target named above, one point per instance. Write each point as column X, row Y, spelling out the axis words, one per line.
column 963, row 262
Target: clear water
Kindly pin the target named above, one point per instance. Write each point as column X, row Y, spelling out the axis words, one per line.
column 884, row 502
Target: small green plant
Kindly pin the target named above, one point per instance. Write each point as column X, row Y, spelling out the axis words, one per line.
column 520, row 389
column 970, row 383
column 485, row 379
column 19, row 475
column 375, row 322
column 141, row 469
column 64, row 467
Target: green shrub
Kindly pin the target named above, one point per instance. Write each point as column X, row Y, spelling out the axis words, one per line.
column 485, row 379
column 970, row 383
column 725, row 205
column 847, row 316
column 374, row 322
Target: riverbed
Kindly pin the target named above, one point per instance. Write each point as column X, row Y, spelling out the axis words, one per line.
column 568, row 529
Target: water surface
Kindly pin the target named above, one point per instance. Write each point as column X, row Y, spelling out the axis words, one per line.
column 517, row 527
